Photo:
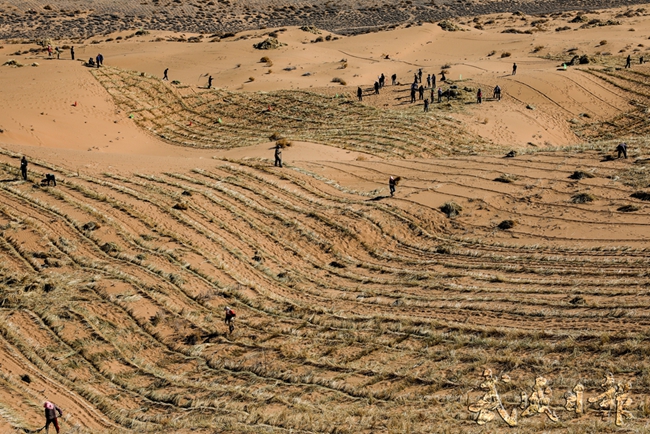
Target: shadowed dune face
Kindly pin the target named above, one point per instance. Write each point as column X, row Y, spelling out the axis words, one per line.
column 357, row 310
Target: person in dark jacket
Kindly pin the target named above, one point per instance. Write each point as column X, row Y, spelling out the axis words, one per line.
column 51, row 411
column 622, row 150
column 360, row 93
column 23, row 167
column 278, row 155
column 391, row 185
column 72, row 52
column 230, row 318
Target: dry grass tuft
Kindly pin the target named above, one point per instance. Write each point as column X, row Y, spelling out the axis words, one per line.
column 628, row 208
column 451, row 209
column 506, row 178
column 641, row 195
column 580, row 174
column 506, row 54
column 507, row 224
column 583, row 198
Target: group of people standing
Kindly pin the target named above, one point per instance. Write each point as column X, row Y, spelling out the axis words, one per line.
column 51, row 50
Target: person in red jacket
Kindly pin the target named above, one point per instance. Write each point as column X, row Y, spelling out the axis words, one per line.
column 50, row 416
column 230, row 318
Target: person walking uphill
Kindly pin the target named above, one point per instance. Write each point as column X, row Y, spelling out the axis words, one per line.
column 230, row 318
column 23, row 167
column 392, row 183
column 622, row 150
column 278, row 155
column 628, row 61
column 165, row 75
column 514, row 68
column 50, row 416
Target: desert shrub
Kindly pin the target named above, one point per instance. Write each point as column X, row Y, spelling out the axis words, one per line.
column 180, row 206
column 506, row 178
column 251, row 78
column 538, row 48
column 339, row 80
column 580, row 174
column 91, row 226
column 492, row 53
column 641, row 195
column 26, row 378
column 451, row 209
column 176, row 82
column 507, row 224
column 110, row 247
column 283, row 142
column 582, row 198
column 628, row 208
column 275, row 136
column 193, row 338
column 265, row 59
column 336, row 264
column 603, row 42
column 505, row 54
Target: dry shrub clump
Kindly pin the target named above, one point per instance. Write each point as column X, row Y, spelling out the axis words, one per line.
column 582, row 198
column 506, row 178
column 580, row 174
column 628, row 208
column 641, row 195
column 339, row 80
column 506, row 54
column 181, row 206
column 507, row 224
column 283, row 143
column 451, row 209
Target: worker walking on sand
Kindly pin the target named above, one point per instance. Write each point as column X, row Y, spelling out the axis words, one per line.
column 628, row 62
column 278, row 155
column 622, row 149
column 514, row 68
column 497, row 93
column 439, row 94
column 72, row 52
column 433, row 82
column 165, row 78
column 479, row 97
column 426, row 105
column 382, row 80
column 392, row 182
column 413, row 90
column 230, row 318
column 23, row 167
column 421, row 93
column 210, row 82
column 376, row 88
column 394, row 79
column 51, row 411
column 360, row 93
column 420, row 75
column 429, row 80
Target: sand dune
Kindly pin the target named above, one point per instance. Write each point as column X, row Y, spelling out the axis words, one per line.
column 357, row 311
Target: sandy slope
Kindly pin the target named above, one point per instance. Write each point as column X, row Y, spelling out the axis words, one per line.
column 356, row 308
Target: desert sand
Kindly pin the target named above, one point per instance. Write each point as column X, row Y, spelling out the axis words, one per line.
column 517, row 241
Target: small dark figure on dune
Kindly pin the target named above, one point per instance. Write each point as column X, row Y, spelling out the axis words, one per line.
column 360, row 94
column 392, row 183
column 479, row 97
column 622, row 150
column 376, row 88
column 210, row 82
column 628, row 61
column 514, row 68
column 382, row 80
column 413, row 91
column 420, row 75
column 426, row 105
column 429, row 80
column 497, row 93
column 165, row 74
column 421, row 92
column 51, row 411
column 72, row 52
column 230, row 318
column 394, row 79
column 49, row 180
column 23, row 167
column 439, row 94
column 442, row 76
column 278, row 155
